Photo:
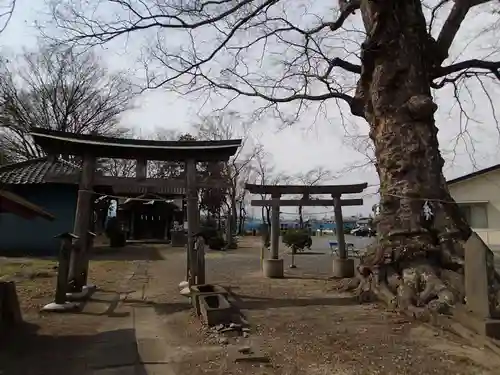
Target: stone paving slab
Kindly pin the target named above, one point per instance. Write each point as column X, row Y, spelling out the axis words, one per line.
column 113, row 354
column 151, row 350
column 127, row 370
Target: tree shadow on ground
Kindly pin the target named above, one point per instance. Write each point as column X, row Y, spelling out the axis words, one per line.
column 245, row 302
column 308, row 277
column 165, row 308
column 24, row 351
column 308, row 253
column 127, row 253
column 114, row 302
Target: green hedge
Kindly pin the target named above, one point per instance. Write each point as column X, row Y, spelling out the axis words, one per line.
column 297, row 239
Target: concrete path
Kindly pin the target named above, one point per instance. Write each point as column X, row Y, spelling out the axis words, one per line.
column 130, row 342
column 134, row 339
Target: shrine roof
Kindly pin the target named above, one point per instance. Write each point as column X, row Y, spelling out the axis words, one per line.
column 35, row 171
column 59, row 142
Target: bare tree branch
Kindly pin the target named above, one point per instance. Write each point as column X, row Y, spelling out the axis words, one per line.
column 492, row 67
column 6, row 11
column 236, row 171
column 301, row 59
column 452, row 25
column 58, row 89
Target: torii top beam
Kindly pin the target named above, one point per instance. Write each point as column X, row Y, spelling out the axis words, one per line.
column 334, row 190
column 58, row 142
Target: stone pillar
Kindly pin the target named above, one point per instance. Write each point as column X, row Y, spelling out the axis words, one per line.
column 480, row 314
column 229, row 230
column 342, row 266
column 275, row 227
column 339, row 225
column 141, row 169
column 476, row 278
column 273, row 267
column 192, row 219
column 79, row 262
column 132, row 225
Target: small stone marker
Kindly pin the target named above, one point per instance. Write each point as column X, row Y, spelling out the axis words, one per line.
column 478, row 314
column 476, row 277
column 10, row 311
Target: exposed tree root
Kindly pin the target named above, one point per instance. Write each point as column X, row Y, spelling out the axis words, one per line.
column 420, row 288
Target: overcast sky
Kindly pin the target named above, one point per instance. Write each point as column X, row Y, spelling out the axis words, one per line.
column 314, row 141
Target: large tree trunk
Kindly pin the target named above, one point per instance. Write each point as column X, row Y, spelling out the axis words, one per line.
column 394, row 96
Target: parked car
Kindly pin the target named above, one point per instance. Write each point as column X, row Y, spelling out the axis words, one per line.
column 363, row 231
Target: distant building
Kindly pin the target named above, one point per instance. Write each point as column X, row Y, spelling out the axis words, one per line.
column 478, row 196
column 314, row 224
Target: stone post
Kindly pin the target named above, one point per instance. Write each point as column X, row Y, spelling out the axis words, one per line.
column 192, row 219
column 342, row 265
column 60, row 301
column 339, row 225
column 275, row 227
column 79, row 259
column 480, row 314
column 229, row 230
column 273, row 267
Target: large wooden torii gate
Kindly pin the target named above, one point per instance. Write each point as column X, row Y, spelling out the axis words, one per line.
column 91, row 147
column 273, row 267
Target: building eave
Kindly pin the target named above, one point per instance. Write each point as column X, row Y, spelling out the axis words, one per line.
column 475, row 174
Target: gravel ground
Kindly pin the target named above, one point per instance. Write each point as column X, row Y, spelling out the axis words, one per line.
column 300, row 322
column 305, row 325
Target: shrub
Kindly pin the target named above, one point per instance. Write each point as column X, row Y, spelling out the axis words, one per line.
column 209, row 232
column 216, row 243
column 233, row 245
column 297, row 239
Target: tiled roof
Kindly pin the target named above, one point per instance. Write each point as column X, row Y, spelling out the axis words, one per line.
column 35, row 171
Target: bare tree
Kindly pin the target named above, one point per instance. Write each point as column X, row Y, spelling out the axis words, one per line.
column 265, row 173
column 380, row 58
column 6, row 11
column 117, row 167
column 58, row 89
column 236, row 171
column 312, row 177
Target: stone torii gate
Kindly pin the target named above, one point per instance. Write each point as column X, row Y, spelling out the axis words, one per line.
column 91, row 147
column 273, row 267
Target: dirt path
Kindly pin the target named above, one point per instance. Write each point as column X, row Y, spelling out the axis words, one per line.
column 139, row 324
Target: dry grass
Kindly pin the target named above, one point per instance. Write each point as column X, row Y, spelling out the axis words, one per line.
column 35, row 278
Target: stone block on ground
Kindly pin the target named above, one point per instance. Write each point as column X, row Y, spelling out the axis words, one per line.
column 215, row 309
column 151, row 350
column 205, row 289
column 247, row 354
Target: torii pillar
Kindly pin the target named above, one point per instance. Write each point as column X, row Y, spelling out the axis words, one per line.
column 343, row 266
column 273, row 267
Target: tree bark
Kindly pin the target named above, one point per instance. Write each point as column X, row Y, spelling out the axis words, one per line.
column 420, row 227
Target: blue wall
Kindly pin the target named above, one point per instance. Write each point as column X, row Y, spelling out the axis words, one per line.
column 21, row 236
